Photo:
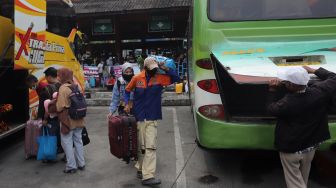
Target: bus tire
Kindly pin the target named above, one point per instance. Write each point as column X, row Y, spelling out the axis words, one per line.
column 199, row 144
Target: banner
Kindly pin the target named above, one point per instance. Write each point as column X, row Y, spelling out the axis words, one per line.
column 30, row 26
column 90, row 71
column 118, row 69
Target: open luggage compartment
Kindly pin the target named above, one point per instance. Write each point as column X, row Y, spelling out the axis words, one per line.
column 247, row 101
column 15, row 92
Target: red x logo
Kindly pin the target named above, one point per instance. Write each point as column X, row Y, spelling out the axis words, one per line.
column 24, row 40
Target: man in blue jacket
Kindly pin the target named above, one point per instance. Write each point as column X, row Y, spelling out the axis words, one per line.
column 147, row 87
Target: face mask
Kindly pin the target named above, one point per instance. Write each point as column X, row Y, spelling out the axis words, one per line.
column 152, row 72
column 127, row 77
column 34, row 87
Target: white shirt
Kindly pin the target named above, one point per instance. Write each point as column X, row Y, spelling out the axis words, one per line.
column 100, row 68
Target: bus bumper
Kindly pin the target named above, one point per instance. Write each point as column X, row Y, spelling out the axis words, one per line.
column 215, row 134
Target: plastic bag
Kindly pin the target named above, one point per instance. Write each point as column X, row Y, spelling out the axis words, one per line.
column 47, row 146
column 167, row 62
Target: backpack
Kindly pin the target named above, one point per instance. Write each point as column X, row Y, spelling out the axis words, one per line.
column 78, row 105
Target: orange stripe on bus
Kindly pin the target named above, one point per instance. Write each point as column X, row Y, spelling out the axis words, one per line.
column 18, row 3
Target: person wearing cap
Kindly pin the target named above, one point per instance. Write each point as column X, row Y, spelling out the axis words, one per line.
column 118, row 92
column 302, row 121
column 147, row 87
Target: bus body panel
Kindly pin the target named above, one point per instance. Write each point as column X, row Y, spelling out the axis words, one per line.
column 231, row 37
column 56, row 60
column 265, row 59
column 60, row 54
column 66, row 59
column 7, row 31
column 214, row 134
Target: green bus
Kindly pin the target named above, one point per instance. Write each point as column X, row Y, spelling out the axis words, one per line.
column 236, row 47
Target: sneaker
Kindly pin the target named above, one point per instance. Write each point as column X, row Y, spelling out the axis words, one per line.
column 151, row 181
column 81, row 168
column 139, row 174
column 49, row 161
column 71, row 171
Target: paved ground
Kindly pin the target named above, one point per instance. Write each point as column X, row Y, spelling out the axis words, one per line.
column 181, row 163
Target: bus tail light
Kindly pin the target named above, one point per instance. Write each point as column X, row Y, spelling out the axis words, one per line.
column 204, row 63
column 214, row 111
column 209, row 86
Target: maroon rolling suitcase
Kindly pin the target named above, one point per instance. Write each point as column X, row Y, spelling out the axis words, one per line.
column 32, row 132
column 123, row 137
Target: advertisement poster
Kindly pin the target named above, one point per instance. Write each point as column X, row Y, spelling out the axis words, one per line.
column 30, row 26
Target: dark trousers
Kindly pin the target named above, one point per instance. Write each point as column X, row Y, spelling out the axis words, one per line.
column 54, row 129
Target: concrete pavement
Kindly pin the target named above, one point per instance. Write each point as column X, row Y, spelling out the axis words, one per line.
column 181, row 163
column 103, row 98
column 102, row 169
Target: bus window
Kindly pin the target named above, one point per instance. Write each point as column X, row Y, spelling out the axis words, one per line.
column 244, row 10
column 323, row 8
column 61, row 18
column 7, row 8
column 286, row 9
column 60, row 25
column 229, row 10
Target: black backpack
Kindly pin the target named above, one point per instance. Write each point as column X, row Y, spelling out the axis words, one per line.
column 78, row 105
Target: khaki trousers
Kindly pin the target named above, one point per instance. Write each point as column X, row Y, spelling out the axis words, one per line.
column 296, row 168
column 147, row 136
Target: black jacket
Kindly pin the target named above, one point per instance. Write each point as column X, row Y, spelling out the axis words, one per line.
column 302, row 117
column 44, row 94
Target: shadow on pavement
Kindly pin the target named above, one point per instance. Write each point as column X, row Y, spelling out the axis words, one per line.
column 11, row 142
column 256, row 166
column 324, row 168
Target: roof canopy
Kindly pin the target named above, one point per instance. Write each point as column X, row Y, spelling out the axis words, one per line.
column 103, row 6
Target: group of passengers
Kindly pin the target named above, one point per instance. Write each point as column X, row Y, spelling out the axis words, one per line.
column 139, row 95
column 68, row 131
column 301, row 127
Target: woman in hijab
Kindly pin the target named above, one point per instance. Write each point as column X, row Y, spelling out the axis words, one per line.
column 118, row 93
column 71, row 130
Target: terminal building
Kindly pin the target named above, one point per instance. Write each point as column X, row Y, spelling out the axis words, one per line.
column 120, row 27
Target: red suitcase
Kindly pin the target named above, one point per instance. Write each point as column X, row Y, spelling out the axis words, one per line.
column 123, row 137
column 32, row 132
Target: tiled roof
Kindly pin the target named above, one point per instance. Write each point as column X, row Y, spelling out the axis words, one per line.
column 101, row 6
